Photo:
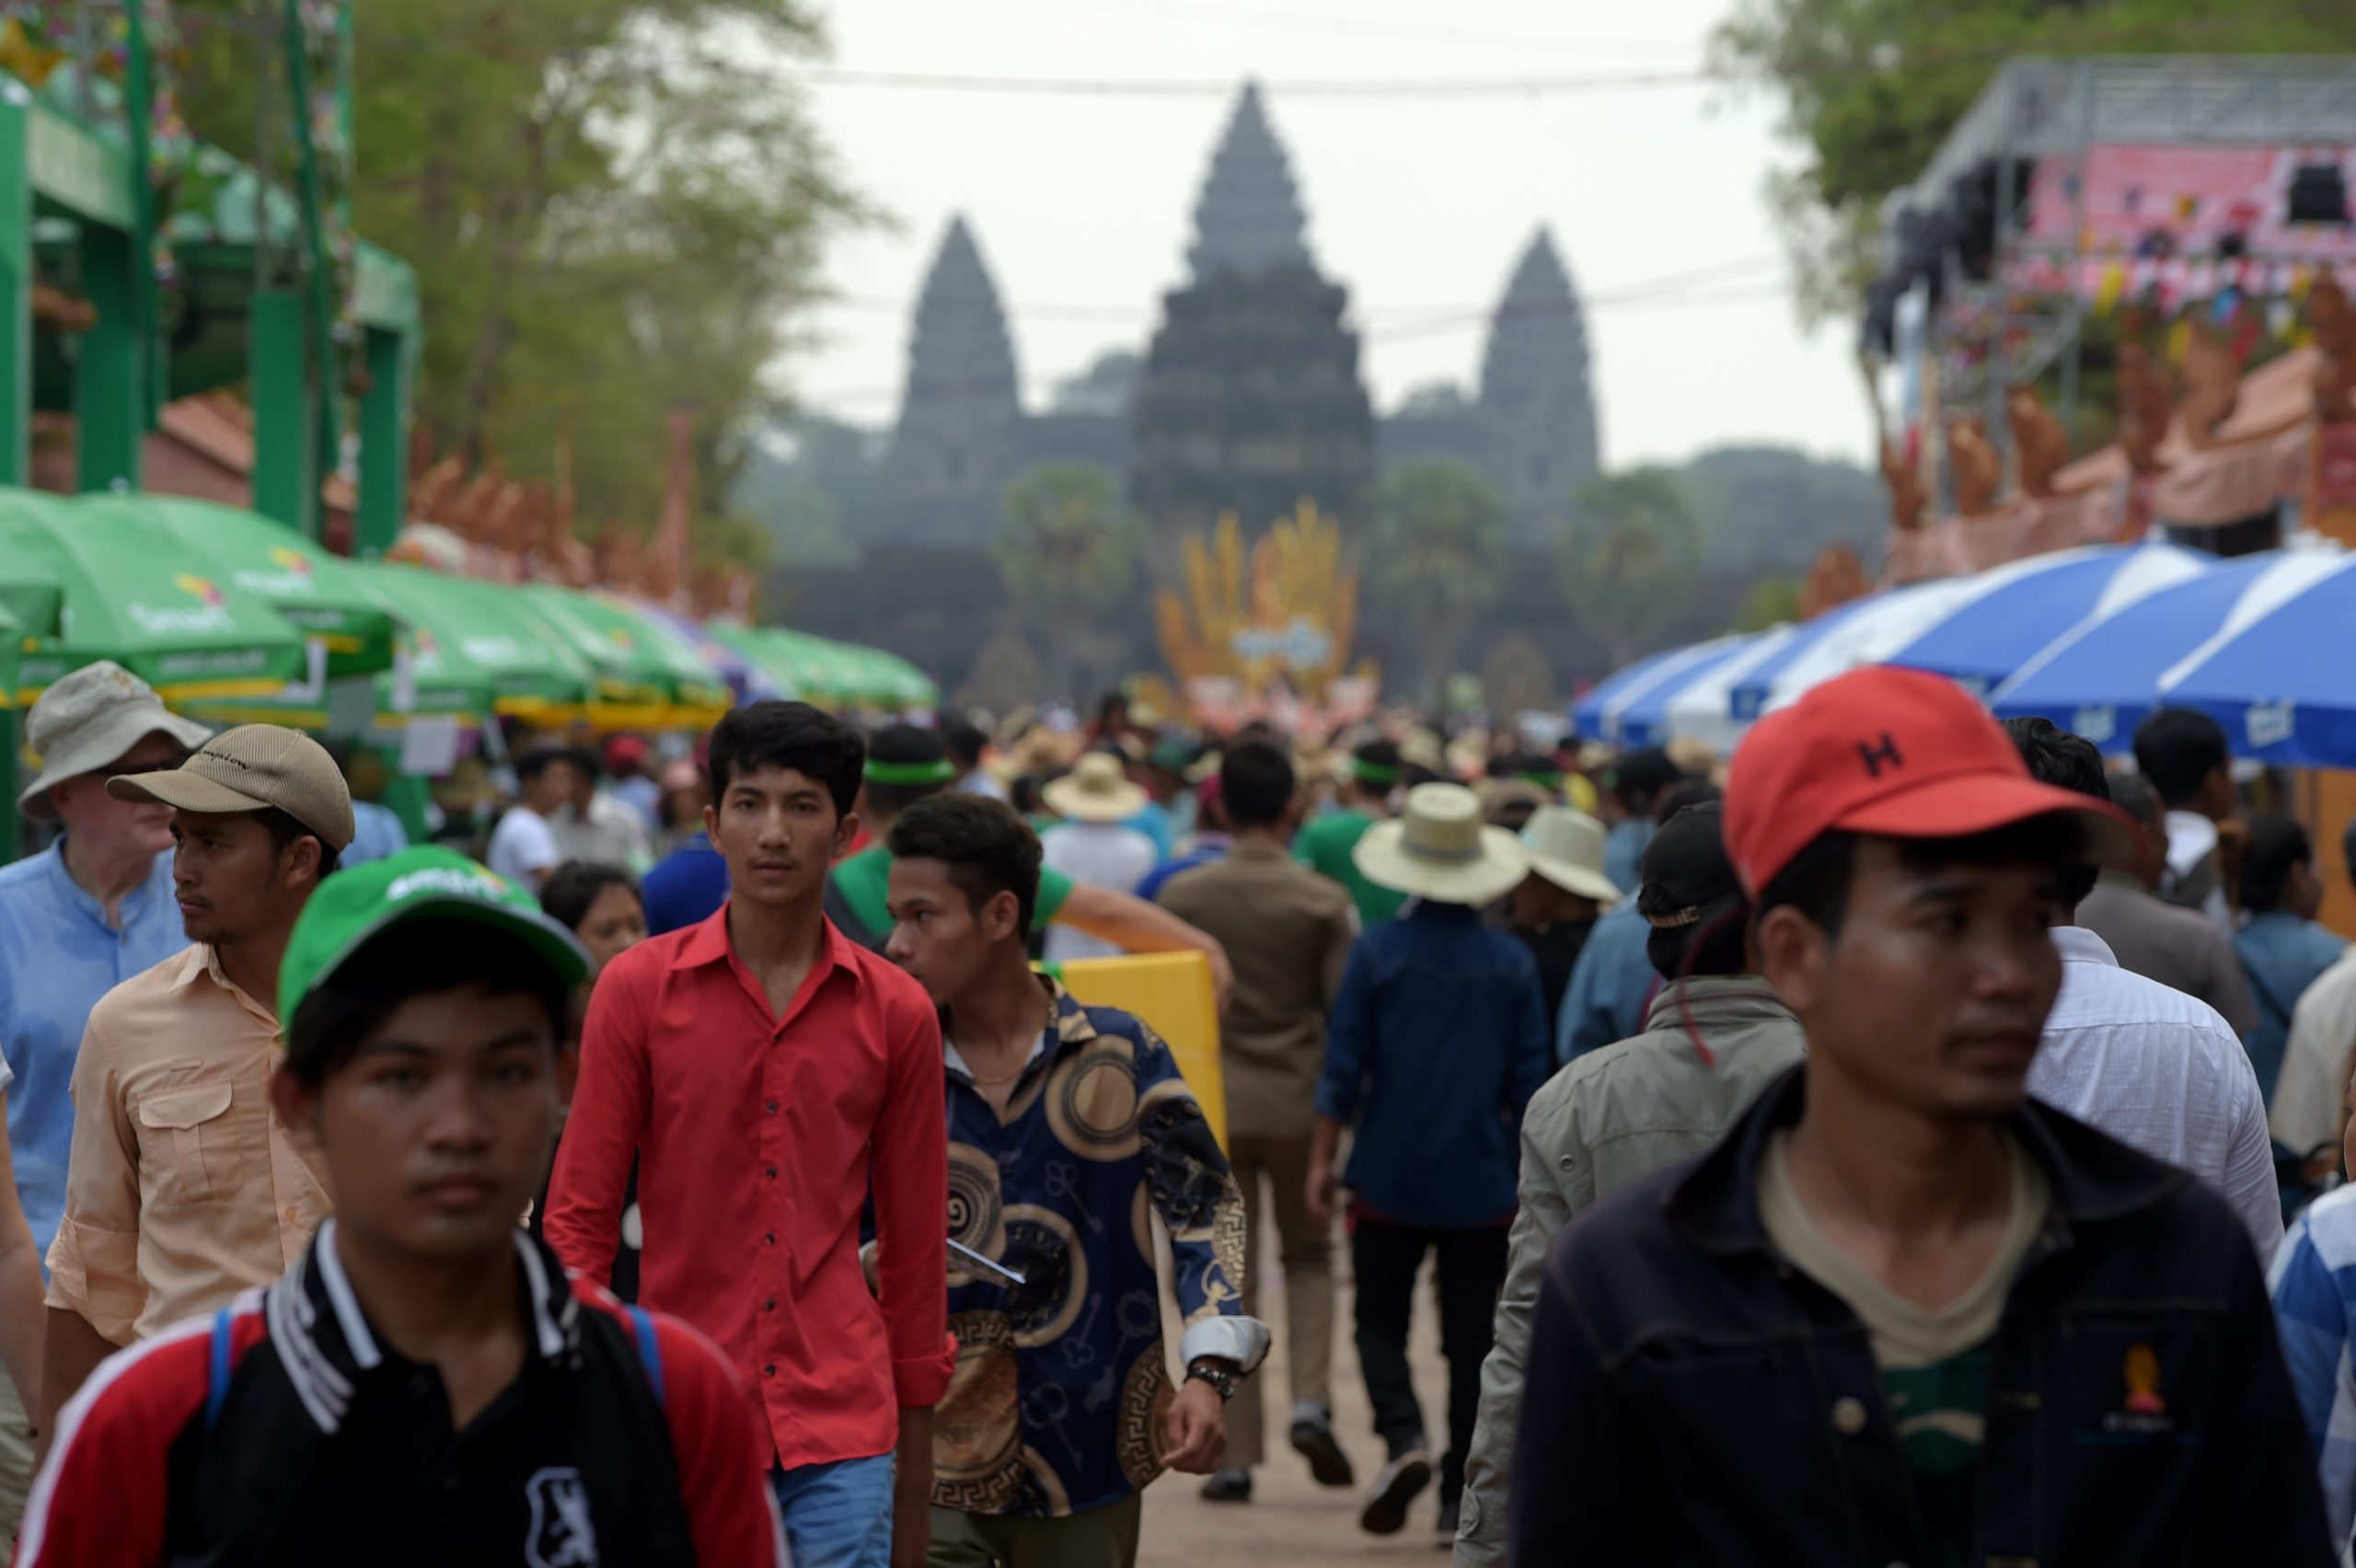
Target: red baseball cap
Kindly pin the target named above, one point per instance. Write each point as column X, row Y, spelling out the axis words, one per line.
column 1901, row 753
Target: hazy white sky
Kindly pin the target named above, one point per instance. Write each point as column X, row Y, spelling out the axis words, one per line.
column 1083, row 205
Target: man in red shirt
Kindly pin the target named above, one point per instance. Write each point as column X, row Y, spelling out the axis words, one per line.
column 767, row 1073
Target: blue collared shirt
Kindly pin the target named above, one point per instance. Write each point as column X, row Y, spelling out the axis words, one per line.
column 1435, row 1044
column 2282, row 954
column 688, row 884
column 1208, row 850
column 58, row 956
column 377, row 833
column 1611, row 985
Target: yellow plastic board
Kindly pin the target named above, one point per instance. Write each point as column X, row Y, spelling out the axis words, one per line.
column 1172, row 992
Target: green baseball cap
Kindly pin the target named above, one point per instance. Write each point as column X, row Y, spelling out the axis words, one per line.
column 356, row 905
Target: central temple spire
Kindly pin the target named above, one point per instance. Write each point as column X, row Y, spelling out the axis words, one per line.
column 1249, row 219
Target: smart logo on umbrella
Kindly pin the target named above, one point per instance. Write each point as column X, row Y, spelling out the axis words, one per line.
column 291, row 578
column 210, row 613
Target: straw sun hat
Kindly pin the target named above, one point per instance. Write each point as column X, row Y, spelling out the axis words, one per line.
column 1097, row 789
column 1440, row 848
column 1566, row 848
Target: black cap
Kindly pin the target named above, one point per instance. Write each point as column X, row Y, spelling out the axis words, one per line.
column 1688, row 876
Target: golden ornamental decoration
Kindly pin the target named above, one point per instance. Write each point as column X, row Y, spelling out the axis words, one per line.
column 1289, row 610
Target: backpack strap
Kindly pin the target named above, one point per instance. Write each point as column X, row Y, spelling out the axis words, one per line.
column 217, row 1385
column 649, row 1349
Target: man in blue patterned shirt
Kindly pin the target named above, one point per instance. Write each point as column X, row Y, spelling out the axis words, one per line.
column 2313, row 1285
column 1070, row 1129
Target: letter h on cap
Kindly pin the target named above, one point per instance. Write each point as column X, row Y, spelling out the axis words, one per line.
column 1876, row 756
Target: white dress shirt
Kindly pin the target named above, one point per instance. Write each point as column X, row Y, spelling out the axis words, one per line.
column 1099, row 854
column 2192, row 838
column 2314, row 1063
column 2162, row 1073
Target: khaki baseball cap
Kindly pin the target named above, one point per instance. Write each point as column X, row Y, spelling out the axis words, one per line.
column 252, row 768
column 89, row 720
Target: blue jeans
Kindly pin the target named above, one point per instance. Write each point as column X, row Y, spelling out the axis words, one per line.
column 838, row 1515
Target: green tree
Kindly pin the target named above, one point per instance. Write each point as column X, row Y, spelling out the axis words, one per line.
column 1771, row 602
column 614, row 207
column 1630, row 557
column 1436, row 558
column 1068, row 547
column 1870, row 89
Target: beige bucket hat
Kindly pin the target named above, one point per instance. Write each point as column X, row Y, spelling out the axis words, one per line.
column 1096, row 789
column 254, row 767
column 1566, row 848
column 1440, row 849
column 87, row 720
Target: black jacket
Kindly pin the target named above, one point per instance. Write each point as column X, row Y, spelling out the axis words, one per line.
column 1693, row 1398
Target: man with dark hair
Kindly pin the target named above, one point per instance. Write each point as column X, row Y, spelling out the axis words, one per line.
column 2178, row 947
column 2183, row 751
column 423, row 1385
column 1902, row 1312
column 595, row 827
column 1633, row 785
column 1328, row 844
column 2310, row 1092
column 965, row 745
column 768, row 1075
column 2283, row 949
column 908, row 765
column 522, row 847
column 1713, row 1038
column 2155, row 1069
column 183, row 1189
column 1069, row 1126
column 1290, row 931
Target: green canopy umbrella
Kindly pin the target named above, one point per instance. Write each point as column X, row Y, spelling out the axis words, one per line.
column 777, row 664
column 477, row 646
column 120, row 587
column 318, row 592
column 648, row 678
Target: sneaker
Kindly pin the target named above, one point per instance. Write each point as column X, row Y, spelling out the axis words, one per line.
column 1451, row 1515
column 1230, row 1485
column 1313, row 1441
column 1402, row 1481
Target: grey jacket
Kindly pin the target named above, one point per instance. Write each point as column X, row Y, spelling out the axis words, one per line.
column 1609, row 1118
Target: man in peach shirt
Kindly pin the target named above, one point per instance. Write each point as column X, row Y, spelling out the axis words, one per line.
column 182, row 1188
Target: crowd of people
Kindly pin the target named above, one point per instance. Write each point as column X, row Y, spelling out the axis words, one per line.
column 1908, row 1140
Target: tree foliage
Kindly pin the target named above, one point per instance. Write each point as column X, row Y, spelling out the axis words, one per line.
column 1630, row 557
column 1870, row 87
column 614, row 207
column 1436, row 558
column 1066, row 542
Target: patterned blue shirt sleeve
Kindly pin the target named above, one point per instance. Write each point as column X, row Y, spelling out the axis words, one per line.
column 1190, row 1186
column 2314, row 1285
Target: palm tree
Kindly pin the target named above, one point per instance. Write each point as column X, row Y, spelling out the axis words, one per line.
column 1630, row 555
column 1438, row 555
column 1068, row 548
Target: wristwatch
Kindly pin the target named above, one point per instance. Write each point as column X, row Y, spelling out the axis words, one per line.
column 1222, row 1381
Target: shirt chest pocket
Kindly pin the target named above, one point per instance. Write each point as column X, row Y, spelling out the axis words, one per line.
column 189, row 1145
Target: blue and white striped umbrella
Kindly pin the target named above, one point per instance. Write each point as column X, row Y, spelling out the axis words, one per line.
column 1627, row 708
column 2102, row 679
column 2020, row 609
column 2277, row 674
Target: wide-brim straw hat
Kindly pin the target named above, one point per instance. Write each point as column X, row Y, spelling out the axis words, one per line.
column 1566, row 848
column 1440, row 848
column 1098, row 790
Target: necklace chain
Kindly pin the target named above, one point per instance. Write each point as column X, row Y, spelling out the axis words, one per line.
column 1053, row 1013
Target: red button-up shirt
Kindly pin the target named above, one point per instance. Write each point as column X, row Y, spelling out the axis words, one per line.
column 758, row 1138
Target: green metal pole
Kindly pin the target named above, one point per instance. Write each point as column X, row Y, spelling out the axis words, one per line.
column 384, row 444
column 110, row 371
column 286, row 475
column 321, row 270
column 139, row 112
column 16, row 311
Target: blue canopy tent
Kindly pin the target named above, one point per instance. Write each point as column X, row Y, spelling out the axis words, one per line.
column 2102, row 679
column 2017, row 611
column 1595, row 717
column 2276, row 675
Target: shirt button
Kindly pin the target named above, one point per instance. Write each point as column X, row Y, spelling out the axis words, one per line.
column 770, row 1305
column 770, row 1370
column 770, row 1172
column 293, row 1214
column 771, row 1108
column 1849, row 1419
column 769, row 1239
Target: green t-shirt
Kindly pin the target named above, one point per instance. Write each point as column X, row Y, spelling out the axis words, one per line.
column 861, row 884
column 1325, row 846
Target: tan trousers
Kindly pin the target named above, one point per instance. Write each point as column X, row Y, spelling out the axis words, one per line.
column 1102, row 1537
column 1307, row 1251
column 16, row 1458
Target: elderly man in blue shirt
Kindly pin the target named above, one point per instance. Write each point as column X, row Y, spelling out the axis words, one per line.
column 93, row 909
